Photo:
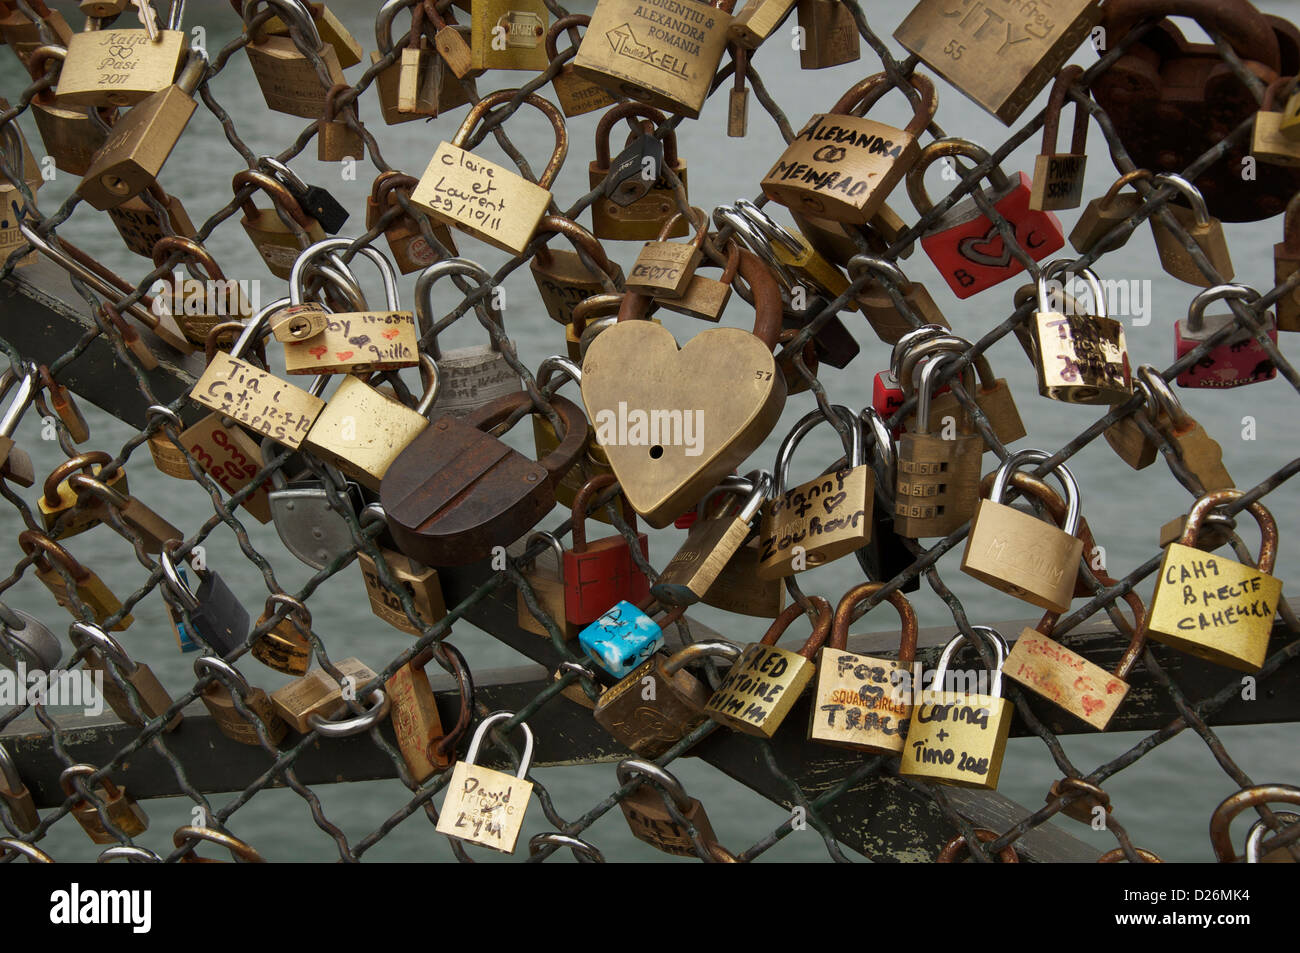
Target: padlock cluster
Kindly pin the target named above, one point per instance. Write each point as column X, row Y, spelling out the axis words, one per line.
column 296, row 413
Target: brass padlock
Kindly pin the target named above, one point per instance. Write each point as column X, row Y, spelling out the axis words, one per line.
column 146, row 700
column 411, row 252
column 111, row 806
column 1058, row 177
column 330, row 27
column 958, row 847
column 725, row 375
column 286, row 646
column 992, row 395
column 1201, row 227
column 854, row 187
column 823, row 519
column 277, row 243
column 450, row 94
column 141, row 227
column 484, row 806
column 1080, row 358
column 960, row 737
column 706, row 298
column 24, row 35
column 509, row 34
column 563, row 278
column 70, row 135
column 663, row 269
column 1126, row 437
column 1199, row 453
column 132, row 518
column 861, row 702
column 658, row 703
column 190, row 834
column 485, row 199
column 1215, row 608
column 416, row 721
column 310, row 701
column 830, row 34
column 756, row 21
column 336, row 139
column 22, row 807
column 142, row 139
column 167, row 456
column 938, row 473
column 419, row 582
column 197, row 306
column 656, row 51
column 1255, row 841
column 218, row 698
column 577, row 96
column 1018, row 554
column 1000, row 65
column 592, row 461
column 647, row 813
column 887, row 319
column 759, row 690
column 1103, row 214
column 548, row 589
column 1268, row 143
column 640, row 218
column 59, row 497
column 120, row 67
column 287, row 76
column 1286, row 262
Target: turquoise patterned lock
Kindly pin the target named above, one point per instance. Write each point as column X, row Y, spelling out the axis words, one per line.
column 621, row 639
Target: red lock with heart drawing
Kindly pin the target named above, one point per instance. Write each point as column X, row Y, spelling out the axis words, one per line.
column 964, row 244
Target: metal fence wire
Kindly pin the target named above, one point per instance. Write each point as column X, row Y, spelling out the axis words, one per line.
column 824, row 804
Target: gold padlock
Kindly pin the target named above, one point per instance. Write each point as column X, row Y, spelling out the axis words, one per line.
column 416, row 721
column 1268, row 143
column 577, row 96
column 1058, row 177
column 286, row 76
column 89, row 589
column 104, row 655
column 1205, row 230
column 663, row 269
column 484, row 806
column 509, row 34
column 547, row 583
column 331, row 29
column 861, row 702
column 830, row 34
column 484, row 199
column 114, row 807
column 120, row 67
column 140, row 226
column 198, row 306
column 643, row 218
column 563, row 278
column 1103, row 214
column 336, row 139
column 219, row 699
column 450, row 93
column 286, row 646
column 70, row 135
column 759, row 690
column 1080, row 358
column 658, row 52
column 277, row 243
column 1215, row 608
column 888, row 321
column 960, row 736
column 875, row 157
column 1286, row 262
column 411, row 252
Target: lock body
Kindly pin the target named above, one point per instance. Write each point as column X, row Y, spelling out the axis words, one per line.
column 860, row 702
column 621, row 639
column 1022, row 556
column 1229, row 364
column 649, row 711
column 959, row 739
column 759, row 690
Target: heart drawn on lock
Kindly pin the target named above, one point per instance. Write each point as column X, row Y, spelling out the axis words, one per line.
column 343, row 355
column 318, row 351
column 979, row 249
column 391, row 334
column 672, row 421
column 1091, row 705
column 830, row 502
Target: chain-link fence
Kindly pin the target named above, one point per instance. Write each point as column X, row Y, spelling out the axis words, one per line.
column 854, row 801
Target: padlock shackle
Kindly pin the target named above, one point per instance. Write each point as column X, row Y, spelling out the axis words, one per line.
column 957, row 847
column 280, row 195
column 22, row 398
column 553, row 542
column 191, row 834
column 1234, row 804
column 839, row 638
column 627, row 111
column 9, row 776
column 854, row 450
column 1127, row 178
column 476, row 741
column 948, row 344
column 447, row 267
column 381, row 189
column 552, row 41
column 579, row 236
column 1267, row 525
column 1193, row 195
column 1233, row 291
column 576, row 428
column 296, row 607
column 82, row 771
column 82, row 484
column 29, row 850
column 223, row 673
column 82, row 461
column 180, row 589
column 582, row 499
column 857, row 94
column 29, row 540
column 700, row 223
column 1024, row 458
column 194, row 71
column 862, row 263
column 597, row 306
column 355, row 725
column 883, row 443
column 539, row 842
column 297, row 277
column 754, row 486
column 193, row 252
column 37, row 63
column 1165, row 396
column 82, row 632
column 700, row 650
column 942, row 148
column 1000, row 652
column 821, row 628
column 557, row 364
column 1065, row 79
column 658, row 777
column 331, row 102
column 293, row 13
column 925, row 390
column 548, row 109
column 1062, row 265
column 773, row 231
column 1255, row 837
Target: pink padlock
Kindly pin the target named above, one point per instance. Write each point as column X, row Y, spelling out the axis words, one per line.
column 1242, row 360
column 964, row 244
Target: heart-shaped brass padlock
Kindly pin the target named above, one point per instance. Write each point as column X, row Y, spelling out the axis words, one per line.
column 675, row 422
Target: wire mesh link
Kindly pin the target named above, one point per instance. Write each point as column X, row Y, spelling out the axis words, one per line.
column 1106, row 593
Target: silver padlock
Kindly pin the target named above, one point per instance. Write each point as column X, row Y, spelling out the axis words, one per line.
column 15, row 464
column 469, row 376
column 308, row 525
column 24, row 638
column 212, row 613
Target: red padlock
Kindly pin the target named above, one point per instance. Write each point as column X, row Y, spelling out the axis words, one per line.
column 601, row 574
column 1230, row 364
column 964, row 244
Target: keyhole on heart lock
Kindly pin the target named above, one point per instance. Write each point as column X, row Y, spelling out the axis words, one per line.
column 656, row 452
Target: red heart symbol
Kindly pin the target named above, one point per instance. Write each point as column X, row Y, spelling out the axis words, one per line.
column 343, row 355
column 391, row 334
column 981, row 250
column 318, row 352
column 1091, row 704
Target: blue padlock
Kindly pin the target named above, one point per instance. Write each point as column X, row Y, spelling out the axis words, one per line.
column 621, row 639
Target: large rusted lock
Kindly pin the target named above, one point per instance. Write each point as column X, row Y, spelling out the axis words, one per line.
column 456, row 491
column 1171, row 100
